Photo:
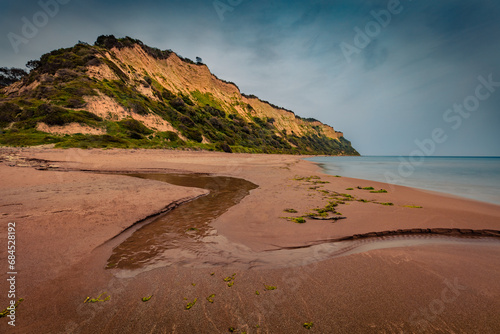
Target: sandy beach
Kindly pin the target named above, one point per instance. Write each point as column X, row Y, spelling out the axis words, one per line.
column 434, row 269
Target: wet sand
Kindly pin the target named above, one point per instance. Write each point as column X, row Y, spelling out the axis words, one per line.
column 68, row 213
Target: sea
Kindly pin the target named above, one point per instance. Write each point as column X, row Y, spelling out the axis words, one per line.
column 475, row 178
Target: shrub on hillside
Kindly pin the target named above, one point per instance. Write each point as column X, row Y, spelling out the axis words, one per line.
column 223, row 147
column 216, row 123
column 138, row 108
column 8, row 113
column 134, row 126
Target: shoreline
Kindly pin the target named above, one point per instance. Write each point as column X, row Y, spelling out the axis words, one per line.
column 477, row 193
column 69, row 268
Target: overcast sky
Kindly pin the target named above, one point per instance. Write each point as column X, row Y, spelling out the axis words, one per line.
column 385, row 83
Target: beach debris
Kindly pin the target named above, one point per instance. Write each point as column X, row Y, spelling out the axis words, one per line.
column 6, row 312
column 211, row 298
column 349, row 188
column 98, row 299
column 388, row 203
column 306, row 178
column 193, row 284
column 230, row 280
column 308, row 325
column 270, row 287
column 290, row 210
column 257, row 292
column 211, row 274
column 318, row 214
column 145, row 299
column 298, row 220
column 413, row 206
column 327, row 218
column 381, row 191
column 190, row 305
column 111, row 265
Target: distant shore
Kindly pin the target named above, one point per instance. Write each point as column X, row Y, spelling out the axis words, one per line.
column 476, row 178
column 67, row 205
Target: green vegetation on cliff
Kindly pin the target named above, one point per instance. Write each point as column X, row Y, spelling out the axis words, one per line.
column 56, row 89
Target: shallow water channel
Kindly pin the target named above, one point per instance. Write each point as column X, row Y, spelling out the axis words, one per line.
column 184, row 236
column 180, row 232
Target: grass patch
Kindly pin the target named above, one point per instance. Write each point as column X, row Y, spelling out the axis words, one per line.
column 94, row 141
column 298, row 220
column 29, row 137
column 191, row 304
column 230, row 280
column 381, row 191
column 349, row 188
column 270, row 287
column 98, row 299
column 145, row 299
column 206, row 99
column 290, row 210
column 6, row 312
column 319, row 214
column 306, row 178
column 413, row 206
column 308, row 325
column 387, row 204
column 211, row 298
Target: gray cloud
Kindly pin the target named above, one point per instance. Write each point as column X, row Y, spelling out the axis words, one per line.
column 393, row 92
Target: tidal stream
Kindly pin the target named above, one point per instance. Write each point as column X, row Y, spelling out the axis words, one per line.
column 184, row 236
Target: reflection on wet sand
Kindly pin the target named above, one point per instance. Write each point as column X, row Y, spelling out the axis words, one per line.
column 182, row 229
column 184, row 235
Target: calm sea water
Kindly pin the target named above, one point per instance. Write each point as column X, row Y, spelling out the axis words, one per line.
column 471, row 177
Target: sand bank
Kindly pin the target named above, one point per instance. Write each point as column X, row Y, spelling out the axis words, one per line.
column 66, row 213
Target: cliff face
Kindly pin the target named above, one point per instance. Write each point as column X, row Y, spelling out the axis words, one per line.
column 120, row 92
